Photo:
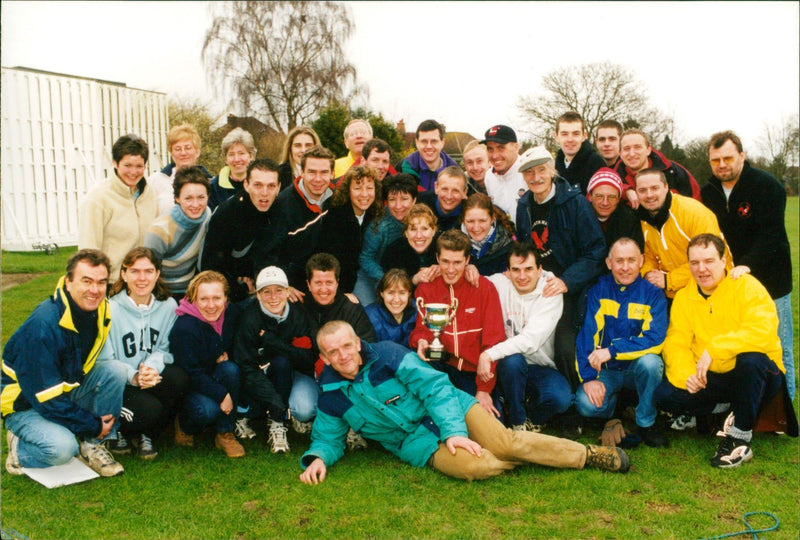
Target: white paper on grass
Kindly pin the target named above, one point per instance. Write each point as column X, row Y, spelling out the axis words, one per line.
column 71, row 472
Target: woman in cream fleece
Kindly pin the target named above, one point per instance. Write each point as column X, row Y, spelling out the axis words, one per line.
column 117, row 212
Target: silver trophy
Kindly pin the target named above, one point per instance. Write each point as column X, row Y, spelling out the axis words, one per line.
column 436, row 317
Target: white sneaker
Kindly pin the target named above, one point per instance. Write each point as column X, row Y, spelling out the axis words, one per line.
column 355, row 441
column 12, row 460
column 243, row 429
column 277, row 438
column 301, row 427
column 683, row 422
column 100, row 460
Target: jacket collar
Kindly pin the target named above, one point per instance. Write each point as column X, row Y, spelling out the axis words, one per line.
column 121, row 188
column 661, row 216
column 65, row 322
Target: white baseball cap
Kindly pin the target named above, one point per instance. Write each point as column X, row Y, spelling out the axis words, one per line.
column 271, row 275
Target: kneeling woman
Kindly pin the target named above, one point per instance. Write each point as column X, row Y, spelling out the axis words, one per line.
column 202, row 342
column 143, row 313
column 274, row 351
column 393, row 316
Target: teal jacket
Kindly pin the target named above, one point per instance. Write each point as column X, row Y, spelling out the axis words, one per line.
column 396, row 399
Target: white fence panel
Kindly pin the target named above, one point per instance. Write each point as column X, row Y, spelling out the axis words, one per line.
column 56, row 135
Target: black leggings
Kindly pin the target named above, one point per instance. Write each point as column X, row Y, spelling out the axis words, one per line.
column 150, row 410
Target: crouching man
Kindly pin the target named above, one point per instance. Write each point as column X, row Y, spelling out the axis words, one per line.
column 722, row 346
column 52, row 387
column 387, row 393
column 620, row 341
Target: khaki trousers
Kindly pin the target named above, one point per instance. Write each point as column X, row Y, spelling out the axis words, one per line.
column 504, row 449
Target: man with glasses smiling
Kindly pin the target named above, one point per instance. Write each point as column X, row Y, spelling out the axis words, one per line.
column 429, row 160
column 617, row 220
column 749, row 204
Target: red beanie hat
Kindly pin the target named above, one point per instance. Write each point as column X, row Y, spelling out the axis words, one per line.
column 607, row 177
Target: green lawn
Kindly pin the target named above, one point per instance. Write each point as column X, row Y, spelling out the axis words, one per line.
column 198, row 493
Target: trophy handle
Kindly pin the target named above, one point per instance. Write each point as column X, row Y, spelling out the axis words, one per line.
column 421, row 307
column 453, row 307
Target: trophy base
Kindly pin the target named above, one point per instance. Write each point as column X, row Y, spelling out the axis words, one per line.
column 435, row 355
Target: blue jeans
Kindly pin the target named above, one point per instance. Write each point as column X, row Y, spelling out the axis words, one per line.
column 755, row 380
column 44, row 443
column 786, row 333
column 544, row 389
column 298, row 390
column 643, row 374
column 200, row 411
column 304, row 396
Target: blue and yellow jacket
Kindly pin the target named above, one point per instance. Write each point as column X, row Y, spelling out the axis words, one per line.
column 630, row 320
column 42, row 362
column 396, row 399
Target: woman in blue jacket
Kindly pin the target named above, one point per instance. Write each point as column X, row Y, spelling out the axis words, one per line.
column 202, row 343
column 142, row 314
column 393, row 316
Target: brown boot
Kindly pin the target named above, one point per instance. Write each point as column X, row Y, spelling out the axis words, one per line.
column 181, row 438
column 229, row 444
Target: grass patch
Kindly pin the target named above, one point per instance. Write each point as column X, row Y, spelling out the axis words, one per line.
column 198, row 493
column 19, row 262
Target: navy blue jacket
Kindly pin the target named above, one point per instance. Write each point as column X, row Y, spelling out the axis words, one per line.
column 575, row 235
column 196, row 346
column 43, row 361
column 386, row 327
column 494, row 257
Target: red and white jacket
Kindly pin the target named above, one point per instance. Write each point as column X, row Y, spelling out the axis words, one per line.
column 478, row 323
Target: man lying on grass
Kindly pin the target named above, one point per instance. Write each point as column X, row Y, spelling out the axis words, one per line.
column 386, row 393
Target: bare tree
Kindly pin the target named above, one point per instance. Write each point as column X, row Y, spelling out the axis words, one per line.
column 599, row 91
column 280, row 60
column 781, row 145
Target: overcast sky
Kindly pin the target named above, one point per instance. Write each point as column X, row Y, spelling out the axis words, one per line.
column 711, row 65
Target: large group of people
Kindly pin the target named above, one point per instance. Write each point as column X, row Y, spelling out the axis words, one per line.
column 451, row 315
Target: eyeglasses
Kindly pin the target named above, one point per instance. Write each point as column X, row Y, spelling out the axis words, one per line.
column 600, row 198
column 727, row 159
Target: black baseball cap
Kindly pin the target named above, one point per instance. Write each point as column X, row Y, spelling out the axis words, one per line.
column 499, row 134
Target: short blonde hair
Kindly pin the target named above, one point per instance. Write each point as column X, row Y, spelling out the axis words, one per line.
column 182, row 132
column 207, row 276
column 474, row 143
column 419, row 211
column 330, row 328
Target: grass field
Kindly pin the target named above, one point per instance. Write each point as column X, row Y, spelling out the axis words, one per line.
column 198, row 493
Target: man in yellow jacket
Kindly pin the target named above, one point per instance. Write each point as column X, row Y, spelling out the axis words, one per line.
column 669, row 221
column 722, row 346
